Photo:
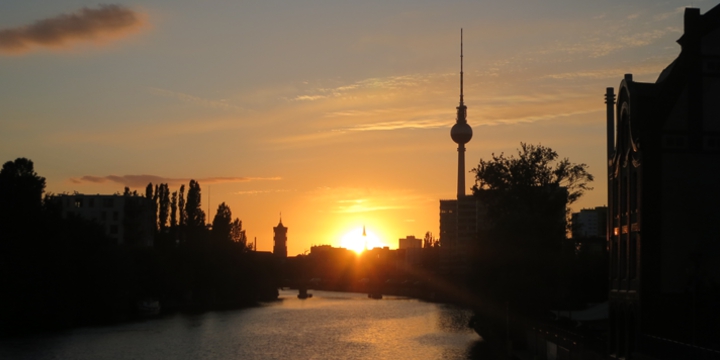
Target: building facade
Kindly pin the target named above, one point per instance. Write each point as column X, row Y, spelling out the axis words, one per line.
column 590, row 223
column 128, row 220
column 459, row 221
column 409, row 242
column 663, row 177
column 411, row 249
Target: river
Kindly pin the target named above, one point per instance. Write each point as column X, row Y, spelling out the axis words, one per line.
column 330, row 325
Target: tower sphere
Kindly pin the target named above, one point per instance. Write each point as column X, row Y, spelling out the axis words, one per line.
column 461, row 133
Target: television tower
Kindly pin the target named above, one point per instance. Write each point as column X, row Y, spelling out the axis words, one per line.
column 461, row 132
column 365, row 237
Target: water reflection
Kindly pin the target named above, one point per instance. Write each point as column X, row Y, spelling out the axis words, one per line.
column 453, row 319
column 328, row 325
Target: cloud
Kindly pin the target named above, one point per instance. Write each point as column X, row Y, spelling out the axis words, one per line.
column 664, row 16
column 214, row 104
column 412, row 82
column 595, row 47
column 127, row 134
column 256, row 192
column 349, row 206
column 609, row 73
column 537, row 118
column 309, row 97
column 142, row 180
column 399, row 125
column 351, row 200
column 108, row 21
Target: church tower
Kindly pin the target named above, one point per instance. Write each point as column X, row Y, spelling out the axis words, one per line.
column 280, row 240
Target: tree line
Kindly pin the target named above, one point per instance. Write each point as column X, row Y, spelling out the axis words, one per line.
column 62, row 271
column 178, row 218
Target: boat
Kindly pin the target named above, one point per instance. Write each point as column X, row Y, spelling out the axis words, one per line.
column 148, row 307
column 303, row 294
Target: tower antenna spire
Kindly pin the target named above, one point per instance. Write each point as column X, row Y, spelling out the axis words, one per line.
column 461, row 66
column 365, row 237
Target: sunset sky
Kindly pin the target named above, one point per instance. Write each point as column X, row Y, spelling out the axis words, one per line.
column 335, row 113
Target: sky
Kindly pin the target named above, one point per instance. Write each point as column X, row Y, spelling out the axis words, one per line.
column 335, row 114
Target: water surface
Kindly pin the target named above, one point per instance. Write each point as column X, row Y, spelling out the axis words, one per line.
column 330, row 325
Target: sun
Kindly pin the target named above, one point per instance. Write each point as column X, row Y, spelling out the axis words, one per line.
column 355, row 240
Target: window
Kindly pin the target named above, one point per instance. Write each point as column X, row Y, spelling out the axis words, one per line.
column 109, row 202
column 103, row 216
column 115, row 216
column 91, row 202
column 78, row 202
column 113, row 229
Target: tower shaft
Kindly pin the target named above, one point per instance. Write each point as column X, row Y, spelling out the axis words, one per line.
column 461, row 171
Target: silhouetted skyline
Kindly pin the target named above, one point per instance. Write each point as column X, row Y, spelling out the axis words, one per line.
column 335, row 114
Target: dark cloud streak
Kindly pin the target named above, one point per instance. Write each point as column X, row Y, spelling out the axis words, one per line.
column 140, row 181
column 85, row 24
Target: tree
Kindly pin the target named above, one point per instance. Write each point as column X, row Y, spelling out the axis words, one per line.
column 521, row 238
column 527, row 196
column 536, row 166
column 221, row 224
column 429, row 240
column 237, row 234
column 163, row 206
column 173, row 209
column 149, row 191
column 21, row 191
column 195, row 216
column 156, row 205
column 181, row 206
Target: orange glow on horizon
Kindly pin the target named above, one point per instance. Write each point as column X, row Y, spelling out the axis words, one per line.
column 355, row 241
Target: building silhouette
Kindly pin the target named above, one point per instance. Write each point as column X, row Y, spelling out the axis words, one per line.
column 590, row 223
column 663, row 178
column 410, row 250
column 127, row 220
column 280, row 240
column 409, row 242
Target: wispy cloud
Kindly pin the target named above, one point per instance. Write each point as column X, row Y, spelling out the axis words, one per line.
column 309, row 97
column 406, row 82
column 143, row 180
column 215, row 104
column 536, row 118
column 105, row 22
column 595, row 47
column 349, row 200
column 399, row 125
column 361, row 205
column 613, row 73
column 128, row 134
column 257, row 192
column 360, row 208
column 667, row 15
